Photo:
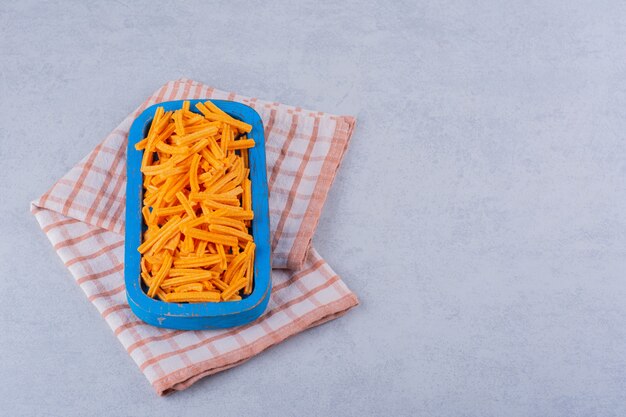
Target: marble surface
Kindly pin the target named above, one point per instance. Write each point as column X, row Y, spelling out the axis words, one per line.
column 479, row 213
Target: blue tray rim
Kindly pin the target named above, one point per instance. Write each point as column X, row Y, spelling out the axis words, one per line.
column 138, row 299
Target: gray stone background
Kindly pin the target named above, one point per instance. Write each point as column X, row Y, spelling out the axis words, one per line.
column 478, row 215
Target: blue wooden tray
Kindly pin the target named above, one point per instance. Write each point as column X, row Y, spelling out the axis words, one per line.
column 198, row 316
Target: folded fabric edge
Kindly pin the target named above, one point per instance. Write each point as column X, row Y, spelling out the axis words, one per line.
column 67, row 206
column 184, row 378
column 341, row 139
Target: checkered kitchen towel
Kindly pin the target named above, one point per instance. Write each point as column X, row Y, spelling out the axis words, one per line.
column 83, row 216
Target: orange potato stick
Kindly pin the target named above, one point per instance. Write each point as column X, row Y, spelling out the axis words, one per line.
column 164, row 134
column 177, row 272
column 211, row 177
column 171, row 171
column 144, row 268
column 223, row 118
column 202, row 143
column 216, row 228
column 141, row 144
column 180, row 183
column 155, row 180
column 185, row 203
column 145, row 212
column 193, row 223
column 193, row 118
column 240, row 171
column 233, row 193
column 193, row 173
column 214, row 205
column 150, row 189
column 175, row 283
column 219, row 213
column 245, row 157
column 184, row 248
column 171, row 225
column 213, row 108
column 221, row 285
column 201, row 247
column 148, row 154
column 211, row 247
column 219, row 184
column 193, row 297
column 246, row 202
column 168, row 211
column 158, row 199
column 172, row 244
column 241, row 144
column 211, row 159
column 181, row 159
column 233, row 266
column 222, row 253
column 192, row 286
column 155, row 205
column 250, row 246
column 212, row 237
column 225, row 221
column 249, row 275
column 230, row 160
column 153, row 229
column 186, row 279
column 155, row 120
column 208, row 175
column 161, row 123
column 163, row 240
column 178, row 121
column 156, row 130
column 200, row 134
column 205, row 210
column 231, row 185
column 238, row 214
column 239, row 274
column 152, row 170
column 160, row 276
column 199, row 261
column 149, row 169
column 222, row 198
column 198, row 122
column 145, row 276
column 215, row 149
column 225, row 138
column 233, row 288
column 164, row 147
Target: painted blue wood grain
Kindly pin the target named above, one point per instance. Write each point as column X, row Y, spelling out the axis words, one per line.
column 198, row 316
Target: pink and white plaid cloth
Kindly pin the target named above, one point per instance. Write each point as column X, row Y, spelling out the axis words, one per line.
column 83, row 216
